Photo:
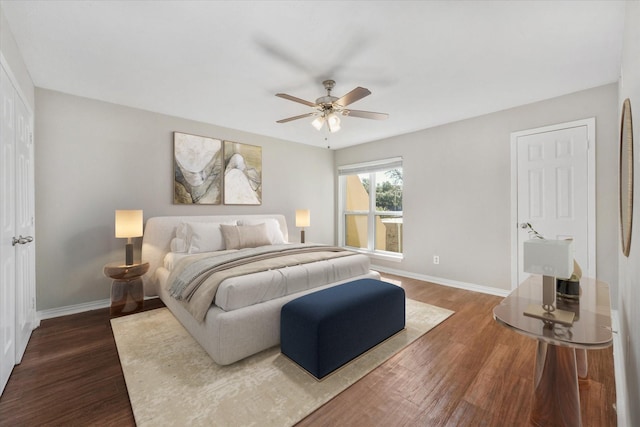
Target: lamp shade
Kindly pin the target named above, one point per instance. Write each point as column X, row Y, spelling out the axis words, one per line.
column 549, row 257
column 303, row 218
column 128, row 223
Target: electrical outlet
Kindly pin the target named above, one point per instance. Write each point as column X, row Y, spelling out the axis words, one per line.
column 436, row 259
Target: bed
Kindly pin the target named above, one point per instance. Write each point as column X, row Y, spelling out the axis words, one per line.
column 243, row 316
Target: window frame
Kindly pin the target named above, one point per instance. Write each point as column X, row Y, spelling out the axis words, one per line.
column 371, row 168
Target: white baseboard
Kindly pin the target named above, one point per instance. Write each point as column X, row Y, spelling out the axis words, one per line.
column 620, row 372
column 74, row 309
column 445, row 282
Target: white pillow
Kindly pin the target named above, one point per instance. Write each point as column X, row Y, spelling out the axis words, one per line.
column 203, row 236
column 178, row 245
column 183, row 232
column 274, row 233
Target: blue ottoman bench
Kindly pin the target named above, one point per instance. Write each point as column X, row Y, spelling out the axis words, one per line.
column 324, row 330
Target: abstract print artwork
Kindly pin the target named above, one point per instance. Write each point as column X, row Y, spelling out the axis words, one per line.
column 197, row 169
column 242, row 174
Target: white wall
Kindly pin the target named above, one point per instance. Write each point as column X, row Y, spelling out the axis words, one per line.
column 457, row 188
column 629, row 284
column 93, row 158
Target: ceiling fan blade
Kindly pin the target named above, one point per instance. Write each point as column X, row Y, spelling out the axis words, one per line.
column 366, row 114
column 294, row 99
column 353, row 96
column 302, row 116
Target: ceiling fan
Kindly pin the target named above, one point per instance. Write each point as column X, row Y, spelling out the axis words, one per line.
column 328, row 108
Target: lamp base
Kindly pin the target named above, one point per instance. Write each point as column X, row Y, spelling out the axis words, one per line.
column 557, row 316
column 128, row 254
column 301, row 236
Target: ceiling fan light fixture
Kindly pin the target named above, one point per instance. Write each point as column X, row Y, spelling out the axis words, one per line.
column 333, row 121
column 318, row 122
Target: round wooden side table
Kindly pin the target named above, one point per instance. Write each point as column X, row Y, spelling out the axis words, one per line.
column 127, row 293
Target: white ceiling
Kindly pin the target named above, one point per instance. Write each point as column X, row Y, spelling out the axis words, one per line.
column 426, row 62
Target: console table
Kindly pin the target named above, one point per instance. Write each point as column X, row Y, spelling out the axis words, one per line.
column 561, row 360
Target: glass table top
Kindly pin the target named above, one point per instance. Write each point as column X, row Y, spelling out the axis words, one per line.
column 591, row 327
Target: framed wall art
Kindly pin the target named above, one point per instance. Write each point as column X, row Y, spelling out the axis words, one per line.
column 242, row 174
column 197, row 164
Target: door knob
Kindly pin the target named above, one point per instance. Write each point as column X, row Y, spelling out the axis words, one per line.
column 21, row 240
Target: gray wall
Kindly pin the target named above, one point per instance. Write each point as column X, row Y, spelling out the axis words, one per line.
column 94, row 157
column 457, row 180
column 13, row 57
column 629, row 302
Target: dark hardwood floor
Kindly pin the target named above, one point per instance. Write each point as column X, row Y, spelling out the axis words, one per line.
column 468, row 371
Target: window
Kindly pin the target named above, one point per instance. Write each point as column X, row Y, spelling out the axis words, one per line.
column 371, row 207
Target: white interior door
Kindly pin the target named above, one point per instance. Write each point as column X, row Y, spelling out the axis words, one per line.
column 7, row 228
column 25, row 230
column 17, row 248
column 556, row 188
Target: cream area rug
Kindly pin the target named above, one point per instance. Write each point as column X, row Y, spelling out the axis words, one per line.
column 172, row 381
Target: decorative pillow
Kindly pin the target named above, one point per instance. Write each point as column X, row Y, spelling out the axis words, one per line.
column 178, row 245
column 245, row 236
column 274, row 233
column 182, row 232
column 204, row 236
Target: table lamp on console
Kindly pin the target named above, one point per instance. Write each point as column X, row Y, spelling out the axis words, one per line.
column 552, row 259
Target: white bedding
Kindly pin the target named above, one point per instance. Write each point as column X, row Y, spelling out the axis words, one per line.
column 172, row 258
column 242, row 291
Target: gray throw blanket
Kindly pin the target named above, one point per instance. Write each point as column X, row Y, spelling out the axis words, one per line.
column 194, row 281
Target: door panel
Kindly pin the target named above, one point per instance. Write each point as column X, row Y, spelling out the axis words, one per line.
column 25, row 253
column 553, row 192
column 7, row 228
column 17, row 257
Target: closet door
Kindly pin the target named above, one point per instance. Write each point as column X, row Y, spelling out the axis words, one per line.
column 7, row 228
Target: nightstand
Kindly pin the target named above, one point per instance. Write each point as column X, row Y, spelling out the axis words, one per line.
column 127, row 293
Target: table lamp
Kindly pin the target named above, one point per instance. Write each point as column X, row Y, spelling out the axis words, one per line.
column 551, row 258
column 129, row 225
column 303, row 219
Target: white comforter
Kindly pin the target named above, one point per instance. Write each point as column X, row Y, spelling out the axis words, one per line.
column 242, row 291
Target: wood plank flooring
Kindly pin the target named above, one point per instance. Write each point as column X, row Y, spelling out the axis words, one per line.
column 468, row 371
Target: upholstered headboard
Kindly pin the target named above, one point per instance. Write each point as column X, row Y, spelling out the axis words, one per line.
column 159, row 231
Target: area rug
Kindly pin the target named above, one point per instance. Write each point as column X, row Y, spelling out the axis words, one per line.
column 172, row 381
